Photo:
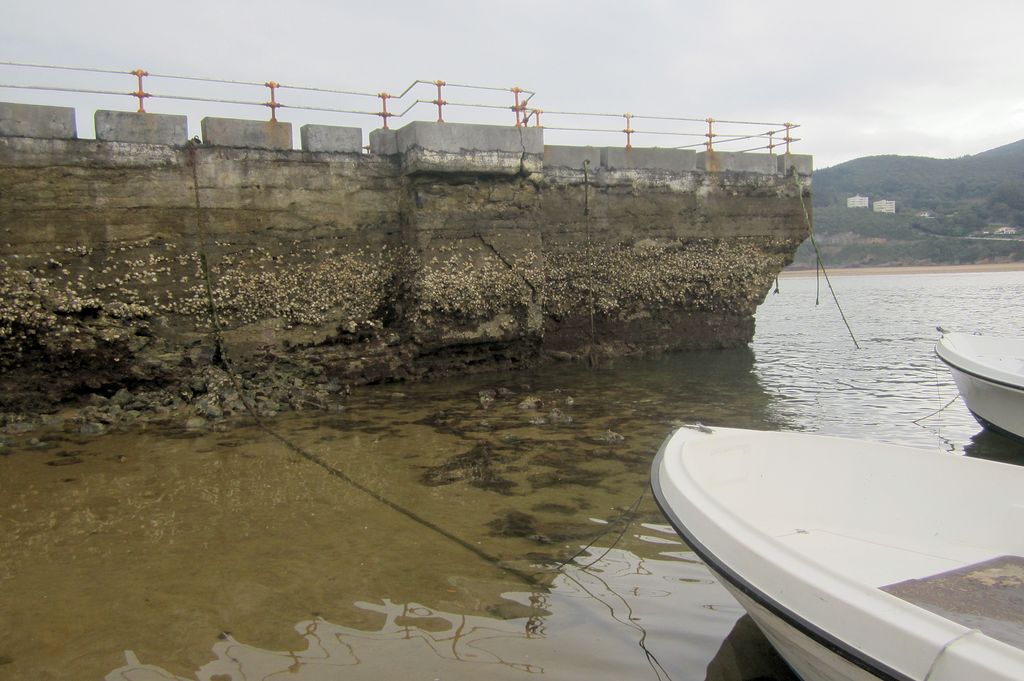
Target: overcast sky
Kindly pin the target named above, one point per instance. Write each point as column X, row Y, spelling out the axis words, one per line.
column 938, row 78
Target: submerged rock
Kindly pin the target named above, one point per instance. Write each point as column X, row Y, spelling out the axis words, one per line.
column 609, row 436
column 92, row 428
column 195, row 423
column 486, row 398
column 530, row 402
column 559, row 417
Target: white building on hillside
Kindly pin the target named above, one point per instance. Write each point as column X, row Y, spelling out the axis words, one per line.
column 857, row 202
column 885, row 206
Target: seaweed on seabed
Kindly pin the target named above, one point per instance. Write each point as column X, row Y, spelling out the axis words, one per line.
column 475, row 467
column 513, row 523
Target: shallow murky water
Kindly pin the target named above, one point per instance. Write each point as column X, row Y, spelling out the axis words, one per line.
column 490, row 527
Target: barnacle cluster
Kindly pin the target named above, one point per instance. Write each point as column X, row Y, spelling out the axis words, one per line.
column 621, row 279
column 60, row 296
column 33, row 310
column 57, row 296
column 67, row 298
column 302, row 286
column 471, row 285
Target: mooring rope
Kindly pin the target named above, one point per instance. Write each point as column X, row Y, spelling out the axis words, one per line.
column 204, row 265
column 628, row 515
column 592, row 358
column 817, row 253
column 937, row 411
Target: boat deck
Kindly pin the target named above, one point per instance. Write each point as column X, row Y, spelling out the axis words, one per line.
column 988, row 596
column 877, row 559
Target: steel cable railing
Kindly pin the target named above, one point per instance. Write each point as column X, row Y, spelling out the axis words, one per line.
column 710, row 133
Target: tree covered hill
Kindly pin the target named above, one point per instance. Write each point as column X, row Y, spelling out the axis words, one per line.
column 948, row 210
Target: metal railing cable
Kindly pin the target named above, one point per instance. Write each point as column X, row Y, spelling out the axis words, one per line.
column 768, row 136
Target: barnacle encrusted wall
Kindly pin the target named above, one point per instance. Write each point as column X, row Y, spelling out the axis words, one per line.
column 124, row 265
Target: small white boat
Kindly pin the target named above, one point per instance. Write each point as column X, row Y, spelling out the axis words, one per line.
column 989, row 373
column 857, row 560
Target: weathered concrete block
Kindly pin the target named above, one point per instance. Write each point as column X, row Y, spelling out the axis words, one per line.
column 384, row 142
column 33, row 120
column 736, row 161
column 143, row 128
column 465, row 147
column 332, row 138
column 804, row 164
column 560, row 156
column 649, row 158
column 462, row 137
column 236, row 132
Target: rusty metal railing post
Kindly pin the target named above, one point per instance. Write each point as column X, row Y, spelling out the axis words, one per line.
column 771, row 141
column 140, row 93
column 518, row 107
column 384, row 97
column 273, row 103
column 439, row 101
column 710, row 134
column 537, row 113
column 629, row 130
column 788, row 138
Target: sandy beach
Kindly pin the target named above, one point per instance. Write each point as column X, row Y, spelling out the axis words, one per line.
column 911, row 269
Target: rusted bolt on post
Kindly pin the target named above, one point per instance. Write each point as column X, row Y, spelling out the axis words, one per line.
column 140, row 93
column 439, row 101
column 273, row 103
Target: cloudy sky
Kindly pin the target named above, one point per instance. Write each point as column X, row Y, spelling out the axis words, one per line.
column 938, row 78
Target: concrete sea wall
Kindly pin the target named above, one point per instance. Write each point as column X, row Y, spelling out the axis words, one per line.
column 142, row 259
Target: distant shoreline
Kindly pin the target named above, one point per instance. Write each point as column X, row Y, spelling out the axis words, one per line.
column 910, row 269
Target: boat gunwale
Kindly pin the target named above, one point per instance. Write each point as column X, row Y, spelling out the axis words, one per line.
column 953, row 354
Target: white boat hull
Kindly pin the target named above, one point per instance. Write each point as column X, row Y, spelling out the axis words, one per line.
column 989, row 373
column 996, row 407
column 857, row 560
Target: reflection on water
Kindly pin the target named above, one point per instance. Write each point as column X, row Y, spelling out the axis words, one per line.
column 638, row 602
column 436, row 638
column 988, row 445
column 419, row 532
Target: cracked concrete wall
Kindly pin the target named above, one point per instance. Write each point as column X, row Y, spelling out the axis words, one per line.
column 118, row 260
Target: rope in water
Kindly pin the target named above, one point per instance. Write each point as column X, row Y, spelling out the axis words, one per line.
column 937, row 411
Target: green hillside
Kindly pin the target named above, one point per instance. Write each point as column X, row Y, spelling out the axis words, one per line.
column 948, row 210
